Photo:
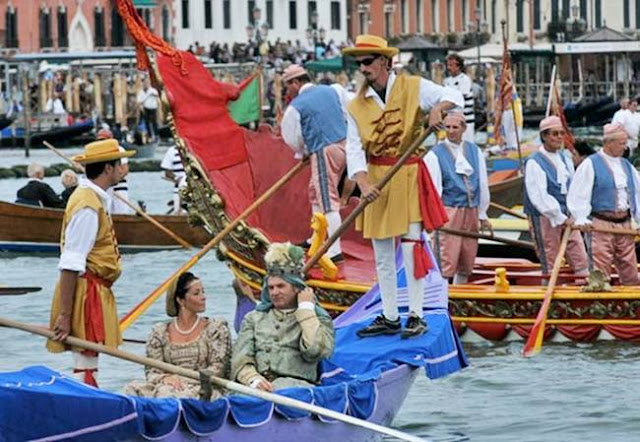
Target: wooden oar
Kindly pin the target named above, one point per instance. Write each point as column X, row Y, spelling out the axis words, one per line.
column 364, row 203
column 224, row 383
column 534, row 341
column 175, row 237
column 512, row 242
column 130, row 317
column 507, row 210
column 9, row 291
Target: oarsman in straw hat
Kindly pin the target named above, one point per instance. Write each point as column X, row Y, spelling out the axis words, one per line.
column 83, row 304
column 314, row 124
column 459, row 173
column 283, row 340
column 548, row 177
column 383, row 121
column 605, row 193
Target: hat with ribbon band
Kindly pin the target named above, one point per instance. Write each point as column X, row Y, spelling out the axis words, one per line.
column 371, row 45
column 102, row 151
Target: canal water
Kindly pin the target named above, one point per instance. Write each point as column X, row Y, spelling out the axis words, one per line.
column 570, row 392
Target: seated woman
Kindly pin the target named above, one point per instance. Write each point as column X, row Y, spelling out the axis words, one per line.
column 188, row 341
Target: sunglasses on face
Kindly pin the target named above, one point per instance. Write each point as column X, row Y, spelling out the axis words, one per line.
column 366, row 61
column 556, row 133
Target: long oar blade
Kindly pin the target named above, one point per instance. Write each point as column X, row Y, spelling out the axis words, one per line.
column 534, row 341
column 225, row 383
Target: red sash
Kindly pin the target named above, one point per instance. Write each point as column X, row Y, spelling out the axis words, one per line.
column 421, row 260
column 93, row 318
column 432, row 210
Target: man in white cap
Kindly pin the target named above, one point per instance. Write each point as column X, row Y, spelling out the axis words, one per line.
column 605, row 194
column 459, row 173
column 314, row 125
column 548, row 174
column 83, row 304
column 383, row 121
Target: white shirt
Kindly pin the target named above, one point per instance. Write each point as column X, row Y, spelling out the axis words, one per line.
column 431, row 94
column 119, row 207
column 464, row 85
column 173, row 162
column 291, row 127
column 148, row 98
column 80, row 234
column 581, row 190
column 431, row 160
column 535, row 181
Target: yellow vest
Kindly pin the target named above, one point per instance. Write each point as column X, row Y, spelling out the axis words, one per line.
column 104, row 258
column 390, row 131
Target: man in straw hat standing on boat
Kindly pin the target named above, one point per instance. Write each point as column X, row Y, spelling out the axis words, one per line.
column 548, row 177
column 605, row 193
column 314, row 124
column 83, row 304
column 382, row 122
column 283, row 340
column 459, row 173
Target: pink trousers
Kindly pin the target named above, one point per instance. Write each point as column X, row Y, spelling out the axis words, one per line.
column 457, row 253
column 326, row 169
column 548, row 241
column 619, row 250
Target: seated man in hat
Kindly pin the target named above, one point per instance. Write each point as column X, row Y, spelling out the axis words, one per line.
column 547, row 178
column 83, row 304
column 282, row 341
column 314, row 124
column 605, row 193
column 459, row 173
column 36, row 192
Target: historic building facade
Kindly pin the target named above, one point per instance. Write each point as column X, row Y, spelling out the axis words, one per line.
column 75, row 25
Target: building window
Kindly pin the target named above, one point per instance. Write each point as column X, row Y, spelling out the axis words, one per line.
column 404, row 14
column 250, row 7
column 536, row 14
column 63, row 38
column 45, row 28
column 625, row 14
column 98, row 23
column 637, row 14
column 419, row 17
column 226, row 14
column 434, row 16
column 11, row 22
column 450, row 16
column 335, row 15
column 555, row 11
column 519, row 15
column 388, row 24
column 166, row 22
column 293, row 15
column 185, row 14
column 493, row 16
column 270, row 13
column 208, row 18
column 566, row 9
column 598, row 13
column 583, row 9
column 117, row 29
column 312, row 10
column 363, row 18
column 465, row 18
column 145, row 13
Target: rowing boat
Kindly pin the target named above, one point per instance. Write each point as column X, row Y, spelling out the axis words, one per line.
column 31, row 229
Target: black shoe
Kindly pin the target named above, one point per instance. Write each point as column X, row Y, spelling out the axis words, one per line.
column 337, row 259
column 381, row 326
column 415, row 327
column 304, row 244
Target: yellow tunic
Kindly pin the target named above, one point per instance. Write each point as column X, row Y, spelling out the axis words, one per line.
column 390, row 132
column 102, row 261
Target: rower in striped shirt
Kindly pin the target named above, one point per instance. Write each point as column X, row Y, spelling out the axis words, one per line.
column 461, row 82
column 174, row 170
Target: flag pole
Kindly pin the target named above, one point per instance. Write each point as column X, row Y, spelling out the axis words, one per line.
column 503, row 23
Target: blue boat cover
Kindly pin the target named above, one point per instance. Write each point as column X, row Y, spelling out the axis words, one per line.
column 348, row 385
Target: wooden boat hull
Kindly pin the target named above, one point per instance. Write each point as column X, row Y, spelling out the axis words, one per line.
column 35, row 229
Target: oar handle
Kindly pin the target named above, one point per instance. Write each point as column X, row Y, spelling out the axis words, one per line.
column 507, row 210
column 363, row 202
column 478, row 235
column 534, row 341
column 143, row 305
column 224, row 383
column 629, row 232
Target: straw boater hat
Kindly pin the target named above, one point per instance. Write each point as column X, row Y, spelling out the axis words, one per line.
column 293, row 71
column 102, row 151
column 371, row 44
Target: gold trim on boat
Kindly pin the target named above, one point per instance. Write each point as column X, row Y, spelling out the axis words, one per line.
column 528, row 321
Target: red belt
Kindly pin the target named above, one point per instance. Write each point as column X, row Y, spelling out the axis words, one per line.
column 93, row 317
column 432, row 210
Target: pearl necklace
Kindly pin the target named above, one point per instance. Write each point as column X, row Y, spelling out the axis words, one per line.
column 185, row 332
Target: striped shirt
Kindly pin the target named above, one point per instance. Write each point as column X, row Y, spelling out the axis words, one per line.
column 463, row 83
column 173, row 162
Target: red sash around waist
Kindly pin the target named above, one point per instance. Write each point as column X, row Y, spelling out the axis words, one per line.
column 93, row 318
column 432, row 210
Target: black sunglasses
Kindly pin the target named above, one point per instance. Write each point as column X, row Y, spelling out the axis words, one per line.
column 366, row 61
